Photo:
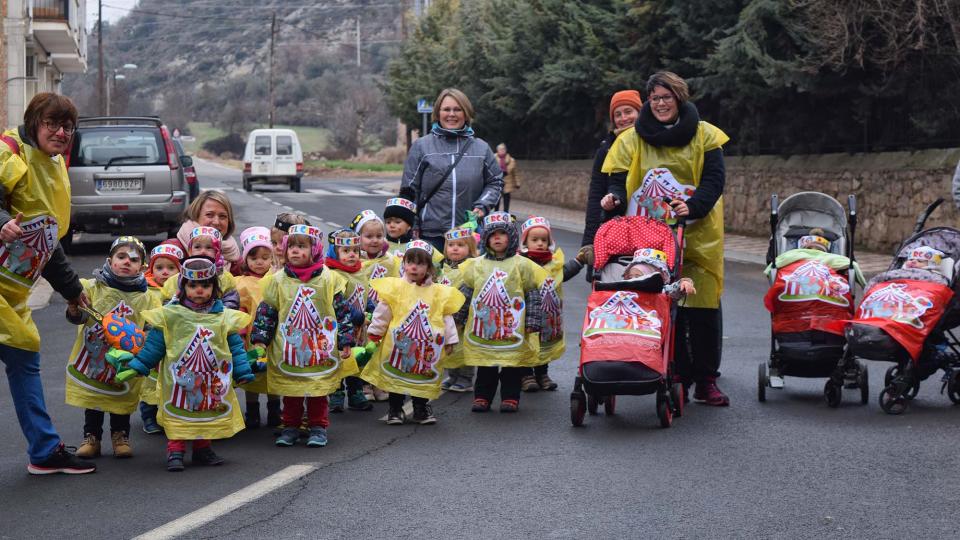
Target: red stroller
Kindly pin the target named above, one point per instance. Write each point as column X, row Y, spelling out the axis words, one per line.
column 626, row 345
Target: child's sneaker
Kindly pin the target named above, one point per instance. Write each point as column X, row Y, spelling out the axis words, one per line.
column 546, row 383
column 708, row 392
column 480, row 405
column 90, row 447
column 447, row 383
column 380, row 395
column 61, row 461
column 423, row 414
column 462, row 386
column 174, row 461
column 273, row 413
column 318, row 437
column 151, row 427
column 509, row 405
column 121, row 445
column 395, row 417
column 206, row 456
column 336, row 401
column 288, row 437
column 529, row 384
column 358, row 402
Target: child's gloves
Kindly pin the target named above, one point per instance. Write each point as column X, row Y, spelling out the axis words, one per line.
column 585, row 255
column 364, row 354
column 256, row 352
column 125, row 375
column 258, row 366
column 245, row 378
column 118, row 358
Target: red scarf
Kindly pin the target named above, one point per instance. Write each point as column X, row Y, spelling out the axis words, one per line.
column 337, row 265
column 539, row 257
column 305, row 273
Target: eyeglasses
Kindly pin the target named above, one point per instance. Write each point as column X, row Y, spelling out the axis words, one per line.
column 666, row 98
column 54, row 127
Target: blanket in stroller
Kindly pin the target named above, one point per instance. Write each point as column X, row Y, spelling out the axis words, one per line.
column 628, row 326
column 809, row 293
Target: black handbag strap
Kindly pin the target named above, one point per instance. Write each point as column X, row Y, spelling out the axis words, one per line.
column 423, row 202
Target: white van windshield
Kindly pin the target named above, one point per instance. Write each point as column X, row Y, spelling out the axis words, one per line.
column 284, row 145
column 261, row 145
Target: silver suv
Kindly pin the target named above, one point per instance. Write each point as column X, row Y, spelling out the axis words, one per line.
column 125, row 177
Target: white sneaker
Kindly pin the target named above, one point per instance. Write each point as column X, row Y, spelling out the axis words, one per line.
column 776, row 381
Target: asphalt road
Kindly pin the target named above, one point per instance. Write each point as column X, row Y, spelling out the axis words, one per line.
column 788, row 468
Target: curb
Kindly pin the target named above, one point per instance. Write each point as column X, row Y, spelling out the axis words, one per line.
column 40, row 295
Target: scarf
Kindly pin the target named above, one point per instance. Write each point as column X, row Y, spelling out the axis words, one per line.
column 199, row 308
column 305, row 273
column 503, row 163
column 677, row 135
column 465, row 131
column 539, row 257
column 335, row 264
column 403, row 239
column 105, row 275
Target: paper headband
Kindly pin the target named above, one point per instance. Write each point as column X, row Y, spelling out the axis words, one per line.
column 400, row 201
column 813, row 239
column 419, row 244
column 363, row 218
column 128, row 240
column 258, row 238
column 497, row 218
column 166, row 250
column 198, row 270
column 926, row 253
column 346, row 241
column 458, row 234
column 535, row 221
column 205, row 231
column 650, row 254
column 306, row 230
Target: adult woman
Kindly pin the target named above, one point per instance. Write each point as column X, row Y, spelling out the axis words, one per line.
column 624, row 110
column 511, row 178
column 34, row 215
column 669, row 135
column 450, row 171
column 213, row 209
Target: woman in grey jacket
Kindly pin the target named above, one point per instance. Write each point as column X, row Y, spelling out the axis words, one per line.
column 444, row 193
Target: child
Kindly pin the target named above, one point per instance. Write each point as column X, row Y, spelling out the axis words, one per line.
column 647, row 262
column 120, row 288
column 195, row 343
column 925, row 258
column 460, row 244
column 257, row 261
column 164, row 263
column 399, row 216
column 537, row 244
column 376, row 263
column 206, row 242
column 309, row 348
column 343, row 259
column 412, row 323
column 502, row 315
column 284, row 221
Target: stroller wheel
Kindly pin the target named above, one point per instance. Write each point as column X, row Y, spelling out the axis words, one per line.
column 664, row 413
column 863, row 381
column 891, row 373
column 762, row 382
column 953, row 387
column 609, row 405
column 676, row 398
column 833, row 393
column 592, row 404
column 891, row 401
column 578, row 408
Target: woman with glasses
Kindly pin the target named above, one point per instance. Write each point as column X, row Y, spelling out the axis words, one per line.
column 34, row 215
column 671, row 151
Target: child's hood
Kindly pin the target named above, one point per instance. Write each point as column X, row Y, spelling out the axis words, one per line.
column 501, row 221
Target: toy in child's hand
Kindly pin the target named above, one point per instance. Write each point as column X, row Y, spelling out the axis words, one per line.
column 119, row 332
column 118, row 358
column 125, row 374
column 257, row 356
column 363, row 354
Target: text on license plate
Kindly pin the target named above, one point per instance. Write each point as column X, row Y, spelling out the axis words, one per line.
column 119, row 184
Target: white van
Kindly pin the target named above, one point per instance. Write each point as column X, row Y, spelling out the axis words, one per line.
column 273, row 156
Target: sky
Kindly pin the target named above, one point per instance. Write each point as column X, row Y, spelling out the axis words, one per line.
column 110, row 14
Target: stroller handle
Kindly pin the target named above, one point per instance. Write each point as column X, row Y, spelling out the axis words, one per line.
column 922, row 218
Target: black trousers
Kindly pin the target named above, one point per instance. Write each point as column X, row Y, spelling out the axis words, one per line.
column 508, row 378
column 93, row 423
column 396, row 401
column 505, row 199
column 537, row 371
column 436, row 241
column 699, row 343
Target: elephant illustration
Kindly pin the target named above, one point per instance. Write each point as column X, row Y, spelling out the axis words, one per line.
column 21, row 258
column 809, row 285
column 301, row 343
column 612, row 321
column 487, row 322
column 192, row 391
column 653, row 207
column 408, row 355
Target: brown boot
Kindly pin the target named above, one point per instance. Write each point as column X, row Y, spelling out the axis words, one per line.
column 90, row 448
column 121, row 445
column 529, row 383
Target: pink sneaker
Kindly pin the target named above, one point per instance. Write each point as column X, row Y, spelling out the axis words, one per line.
column 708, row 392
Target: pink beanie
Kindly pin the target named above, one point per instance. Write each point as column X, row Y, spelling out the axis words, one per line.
column 252, row 238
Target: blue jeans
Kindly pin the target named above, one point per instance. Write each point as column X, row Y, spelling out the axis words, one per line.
column 23, row 375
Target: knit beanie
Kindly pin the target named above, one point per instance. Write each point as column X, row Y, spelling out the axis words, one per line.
column 501, row 221
column 625, row 97
column 533, row 223
column 252, row 238
column 399, row 207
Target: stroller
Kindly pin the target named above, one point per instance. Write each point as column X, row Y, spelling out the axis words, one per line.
column 806, row 296
column 626, row 345
column 906, row 317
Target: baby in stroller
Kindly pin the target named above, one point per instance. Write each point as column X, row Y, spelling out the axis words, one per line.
column 649, row 262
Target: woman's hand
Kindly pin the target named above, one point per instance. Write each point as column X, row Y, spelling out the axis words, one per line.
column 609, row 202
column 11, row 230
column 680, row 208
column 686, row 286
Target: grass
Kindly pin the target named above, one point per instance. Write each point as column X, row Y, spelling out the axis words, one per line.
column 353, row 166
column 312, row 139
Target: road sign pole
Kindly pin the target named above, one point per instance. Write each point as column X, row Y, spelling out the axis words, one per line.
column 426, row 118
column 425, row 109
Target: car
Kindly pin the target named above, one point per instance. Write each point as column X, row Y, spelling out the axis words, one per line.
column 189, row 171
column 273, row 156
column 125, row 177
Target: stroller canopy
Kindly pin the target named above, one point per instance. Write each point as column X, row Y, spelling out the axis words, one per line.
column 624, row 235
column 810, row 209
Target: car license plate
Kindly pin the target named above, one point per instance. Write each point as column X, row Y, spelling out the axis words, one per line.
column 263, row 167
column 119, row 184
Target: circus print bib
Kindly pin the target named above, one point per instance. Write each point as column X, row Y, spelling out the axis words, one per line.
column 905, row 309
column 813, row 280
column 648, row 199
column 22, row 260
column 201, row 380
column 497, row 316
column 309, row 338
column 626, row 326
column 416, row 347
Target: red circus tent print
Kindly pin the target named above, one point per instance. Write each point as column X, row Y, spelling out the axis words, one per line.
column 198, row 383
column 621, row 314
column 355, row 301
column 378, row 271
column 22, row 260
column 895, row 303
column 494, row 316
column 90, row 360
column 813, row 281
column 307, row 335
column 415, row 344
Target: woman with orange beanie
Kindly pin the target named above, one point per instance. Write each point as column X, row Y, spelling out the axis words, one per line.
column 625, row 108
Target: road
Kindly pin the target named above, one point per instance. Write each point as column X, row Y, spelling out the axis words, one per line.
column 788, row 468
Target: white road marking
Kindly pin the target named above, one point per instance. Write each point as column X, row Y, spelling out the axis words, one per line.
column 288, row 208
column 352, row 192
column 383, row 192
column 314, row 219
column 218, row 190
column 257, row 195
column 320, row 191
column 334, row 225
column 229, row 503
column 275, row 202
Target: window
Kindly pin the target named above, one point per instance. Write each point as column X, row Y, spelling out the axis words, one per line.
column 131, row 146
column 30, row 67
column 284, row 145
column 261, row 145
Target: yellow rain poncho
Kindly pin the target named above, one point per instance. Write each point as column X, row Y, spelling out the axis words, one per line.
column 552, row 343
column 495, row 331
column 197, row 400
column 38, row 187
column 387, row 265
column 226, row 280
column 304, row 358
column 409, row 359
column 90, row 379
column 703, row 254
column 251, row 294
column 454, row 277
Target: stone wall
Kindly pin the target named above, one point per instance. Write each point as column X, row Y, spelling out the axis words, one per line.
column 891, row 188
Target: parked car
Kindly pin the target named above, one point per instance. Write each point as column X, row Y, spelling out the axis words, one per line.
column 125, row 177
column 273, row 156
column 188, row 171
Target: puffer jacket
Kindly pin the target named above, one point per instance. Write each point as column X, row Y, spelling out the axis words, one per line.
column 476, row 182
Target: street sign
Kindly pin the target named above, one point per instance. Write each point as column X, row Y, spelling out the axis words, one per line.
column 423, row 107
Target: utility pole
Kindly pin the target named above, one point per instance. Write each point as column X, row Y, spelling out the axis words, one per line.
column 100, row 77
column 358, row 41
column 273, row 33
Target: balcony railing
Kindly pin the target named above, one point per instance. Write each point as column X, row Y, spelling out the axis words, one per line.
column 51, row 10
